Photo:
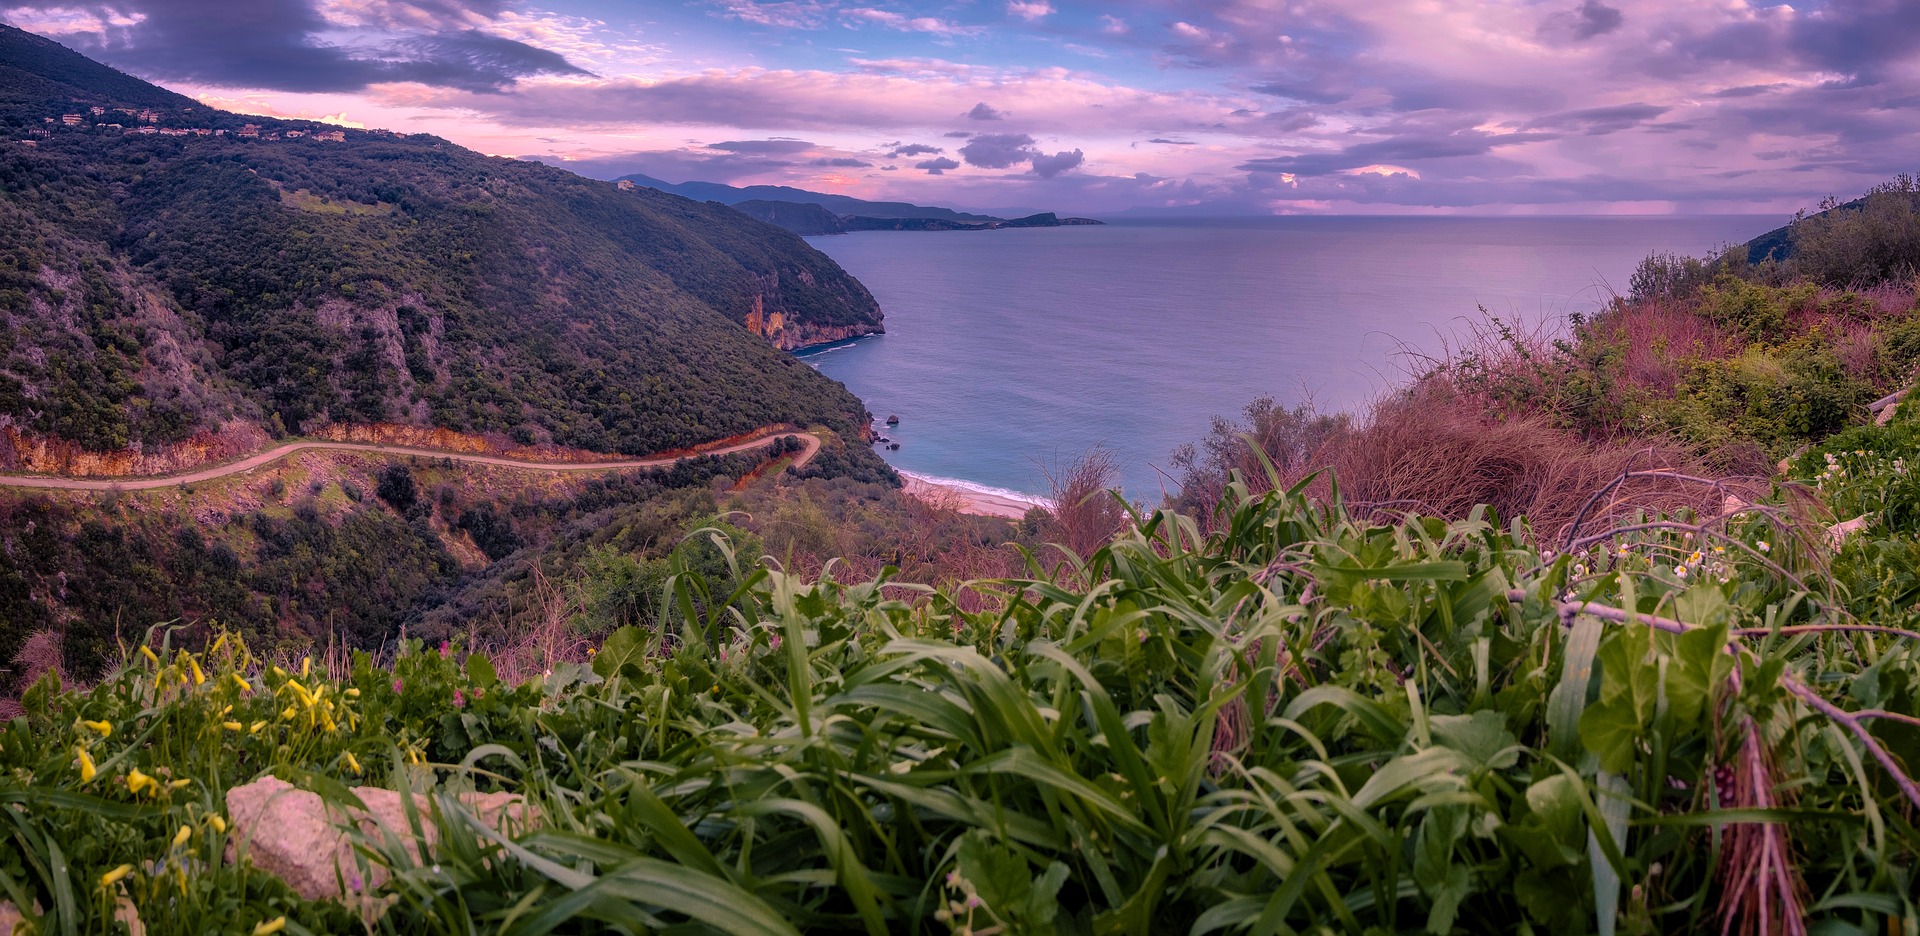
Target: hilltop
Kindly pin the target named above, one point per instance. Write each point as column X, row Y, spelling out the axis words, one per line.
column 838, row 204
column 176, row 274
column 813, row 213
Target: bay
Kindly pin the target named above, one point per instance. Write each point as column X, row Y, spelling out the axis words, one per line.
column 1010, row 352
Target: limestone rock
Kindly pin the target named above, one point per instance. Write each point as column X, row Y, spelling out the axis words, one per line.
column 293, row 835
column 126, row 912
column 1838, row 533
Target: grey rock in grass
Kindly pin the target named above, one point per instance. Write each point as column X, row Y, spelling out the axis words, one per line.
column 297, row 837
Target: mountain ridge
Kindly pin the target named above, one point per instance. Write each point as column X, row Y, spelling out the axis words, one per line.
column 838, row 204
column 174, row 271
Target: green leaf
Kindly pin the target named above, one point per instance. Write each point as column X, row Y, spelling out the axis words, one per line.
column 1482, row 736
column 1629, row 690
column 480, row 672
column 1702, row 664
column 1569, row 697
column 1444, row 571
column 624, row 648
column 1555, row 801
column 1445, row 882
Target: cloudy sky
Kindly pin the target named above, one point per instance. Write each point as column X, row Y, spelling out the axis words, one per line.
column 1267, row 106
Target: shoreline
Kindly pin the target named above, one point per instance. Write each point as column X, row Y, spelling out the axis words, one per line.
column 968, row 498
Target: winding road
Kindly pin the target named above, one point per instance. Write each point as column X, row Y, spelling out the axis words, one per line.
column 811, row 447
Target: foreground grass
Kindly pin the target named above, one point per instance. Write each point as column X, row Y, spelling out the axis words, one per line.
column 1296, row 723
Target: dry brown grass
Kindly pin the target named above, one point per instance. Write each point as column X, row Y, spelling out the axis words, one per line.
column 1086, row 516
column 1658, row 338
column 1436, row 452
column 39, row 655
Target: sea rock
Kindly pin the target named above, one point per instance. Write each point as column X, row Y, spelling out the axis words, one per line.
column 293, row 835
column 10, row 918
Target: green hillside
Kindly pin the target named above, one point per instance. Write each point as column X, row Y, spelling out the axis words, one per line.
column 164, row 272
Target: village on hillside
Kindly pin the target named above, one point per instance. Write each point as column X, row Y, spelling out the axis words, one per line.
column 146, row 122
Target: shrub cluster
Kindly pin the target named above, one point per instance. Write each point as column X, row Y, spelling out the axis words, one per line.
column 1299, row 721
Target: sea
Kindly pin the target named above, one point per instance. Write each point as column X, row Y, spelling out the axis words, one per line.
column 1009, row 353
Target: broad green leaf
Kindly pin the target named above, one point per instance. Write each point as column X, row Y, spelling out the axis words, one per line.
column 626, row 647
column 480, row 673
column 1629, row 690
column 1481, row 736
column 1702, row 665
column 1556, row 802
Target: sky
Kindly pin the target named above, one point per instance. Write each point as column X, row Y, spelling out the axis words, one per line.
column 1224, row 107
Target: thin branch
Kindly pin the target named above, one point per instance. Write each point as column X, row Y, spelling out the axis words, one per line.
column 1792, row 683
column 1852, row 724
column 1864, row 714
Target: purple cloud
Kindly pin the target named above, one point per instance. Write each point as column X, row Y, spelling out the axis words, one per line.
column 1046, row 167
column 997, row 150
column 276, row 44
column 937, row 166
column 763, row 146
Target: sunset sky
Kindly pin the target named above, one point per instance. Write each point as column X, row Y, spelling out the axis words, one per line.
column 1240, row 106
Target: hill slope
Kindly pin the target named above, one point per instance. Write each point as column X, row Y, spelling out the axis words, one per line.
column 838, row 204
column 166, row 274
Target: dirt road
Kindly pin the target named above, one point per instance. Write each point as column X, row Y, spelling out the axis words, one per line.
column 812, row 447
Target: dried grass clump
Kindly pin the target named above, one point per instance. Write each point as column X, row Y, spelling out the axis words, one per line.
column 1086, row 516
column 1658, row 338
column 1435, row 452
column 38, row 655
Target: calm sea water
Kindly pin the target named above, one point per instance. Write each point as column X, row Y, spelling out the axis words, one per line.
column 1010, row 352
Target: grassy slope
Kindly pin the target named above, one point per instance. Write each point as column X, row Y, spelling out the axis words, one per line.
column 157, row 286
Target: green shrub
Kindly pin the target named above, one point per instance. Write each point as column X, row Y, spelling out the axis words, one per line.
column 1756, row 311
column 1299, row 722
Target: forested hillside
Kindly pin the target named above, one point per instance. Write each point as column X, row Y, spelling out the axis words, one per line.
column 167, row 269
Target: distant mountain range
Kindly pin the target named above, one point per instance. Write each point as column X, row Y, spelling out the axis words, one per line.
column 811, row 213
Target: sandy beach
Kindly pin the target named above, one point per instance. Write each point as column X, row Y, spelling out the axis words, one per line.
column 967, row 500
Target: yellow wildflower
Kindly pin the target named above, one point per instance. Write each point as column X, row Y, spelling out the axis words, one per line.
column 216, row 823
column 180, row 838
column 255, row 728
column 351, row 693
column 87, row 769
column 137, row 781
column 147, row 652
column 102, row 728
column 199, row 678
column 277, row 671
column 306, row 667
column 242, row 683
column 178, row 784
column 270, row 927
column 113, row 877
column 352, row 764
column 232, row 726
column 217, row 644
column 287, row 713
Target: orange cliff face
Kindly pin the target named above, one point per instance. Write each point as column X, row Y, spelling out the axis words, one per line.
column 22, row 451
column 787, row 335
